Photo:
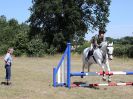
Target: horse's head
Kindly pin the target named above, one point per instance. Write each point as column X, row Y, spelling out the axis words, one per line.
column 110, row 49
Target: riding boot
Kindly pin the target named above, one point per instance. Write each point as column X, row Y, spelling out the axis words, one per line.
column 90, row 53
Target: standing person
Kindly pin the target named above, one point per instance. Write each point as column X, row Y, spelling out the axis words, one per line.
column 96, row 41
column 8, row 63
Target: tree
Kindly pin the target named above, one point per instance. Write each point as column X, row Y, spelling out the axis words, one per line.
column 21, row 40
column 57, row 21
column 13, row 34
column 8, row 30
column 109, row 39
column 96, row 13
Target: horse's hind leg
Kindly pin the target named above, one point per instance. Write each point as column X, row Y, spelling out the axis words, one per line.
column 89, row 67
column 83, row 67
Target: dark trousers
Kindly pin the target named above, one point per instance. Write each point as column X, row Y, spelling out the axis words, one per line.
column 8, row 72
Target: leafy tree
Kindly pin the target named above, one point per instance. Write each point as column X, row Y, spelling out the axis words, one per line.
column 96, row 13
column 36, row 47
column 127, row 40
column 13, row 34
column 57, row 21
column 109, row 39
column 124, row 40
column 21, row 39
column 8, row 30
column 3, row 28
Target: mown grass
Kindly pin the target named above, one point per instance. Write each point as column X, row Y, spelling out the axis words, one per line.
column 32, row 79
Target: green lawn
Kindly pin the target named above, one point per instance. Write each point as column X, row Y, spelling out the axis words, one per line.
column 32, row 79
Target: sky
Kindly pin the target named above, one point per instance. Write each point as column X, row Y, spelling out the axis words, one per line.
column 121, row 20
column 17, row 9
column 121, row 16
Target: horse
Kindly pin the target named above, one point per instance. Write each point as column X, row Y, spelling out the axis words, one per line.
column 101, row 56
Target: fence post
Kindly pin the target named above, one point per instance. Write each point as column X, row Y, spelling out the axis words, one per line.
column 68, row 65
column 54, row 77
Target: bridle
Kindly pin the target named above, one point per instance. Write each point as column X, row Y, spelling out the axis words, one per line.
column 108, row 51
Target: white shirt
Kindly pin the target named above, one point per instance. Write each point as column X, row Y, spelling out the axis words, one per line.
column 8, row 58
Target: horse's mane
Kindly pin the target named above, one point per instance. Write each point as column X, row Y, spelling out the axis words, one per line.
column 105, row 43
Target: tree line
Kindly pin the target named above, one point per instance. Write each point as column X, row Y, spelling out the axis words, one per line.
column 13, row 34
column 51, row 24
column 123, row 47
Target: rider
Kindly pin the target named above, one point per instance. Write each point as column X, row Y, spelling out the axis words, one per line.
column 96, row 41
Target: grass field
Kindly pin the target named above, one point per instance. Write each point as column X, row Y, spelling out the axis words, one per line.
column 32, row 79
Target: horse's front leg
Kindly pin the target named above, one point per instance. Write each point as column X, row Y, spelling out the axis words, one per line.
column 107, row 65
column 89, row 64
column 103, row 68
column 108, row 68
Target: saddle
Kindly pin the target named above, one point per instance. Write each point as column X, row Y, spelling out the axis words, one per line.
column 90, row 53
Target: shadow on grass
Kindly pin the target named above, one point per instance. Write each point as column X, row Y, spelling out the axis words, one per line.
column 85, row 85
column 5, row 83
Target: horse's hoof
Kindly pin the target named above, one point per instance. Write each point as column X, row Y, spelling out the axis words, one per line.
column 109, row 80
column 104, row 78
column 82, row 75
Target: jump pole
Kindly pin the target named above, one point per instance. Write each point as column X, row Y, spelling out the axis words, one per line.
column 101, row 73
column 103, row 84
column 57, row 82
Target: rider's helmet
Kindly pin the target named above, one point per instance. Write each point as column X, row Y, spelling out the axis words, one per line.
column 101, row 32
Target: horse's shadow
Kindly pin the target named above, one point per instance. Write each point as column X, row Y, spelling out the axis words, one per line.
column 85, row 85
